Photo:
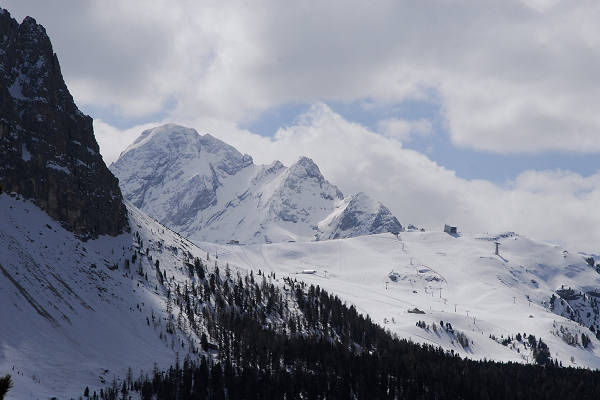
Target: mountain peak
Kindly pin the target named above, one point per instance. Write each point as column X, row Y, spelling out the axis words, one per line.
column 166, row 131
column 5, row 15
column 179, row 141
column 171, row 137
column 48, row 148
column 306, row 167
column 177, row 171
column 30, row 22
column 362, row 215
column 209, row 191
column 306, row 162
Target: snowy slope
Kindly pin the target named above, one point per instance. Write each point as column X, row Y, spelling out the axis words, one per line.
column 208, row 191
column 452, row 279
column 73, row 314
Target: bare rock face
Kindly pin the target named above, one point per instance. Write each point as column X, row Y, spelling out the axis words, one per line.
column 362, row 216
column 48, row 152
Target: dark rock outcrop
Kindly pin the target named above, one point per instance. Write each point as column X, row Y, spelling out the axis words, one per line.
column 48, row 152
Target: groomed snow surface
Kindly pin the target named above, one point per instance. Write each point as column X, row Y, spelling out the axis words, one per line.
column 452, row 279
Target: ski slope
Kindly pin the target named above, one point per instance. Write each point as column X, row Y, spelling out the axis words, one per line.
column 452, row 279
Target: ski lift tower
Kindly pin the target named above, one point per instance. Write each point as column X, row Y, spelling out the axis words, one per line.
column 497, row 252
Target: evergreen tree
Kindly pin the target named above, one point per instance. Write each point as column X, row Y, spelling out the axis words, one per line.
column 6, row 384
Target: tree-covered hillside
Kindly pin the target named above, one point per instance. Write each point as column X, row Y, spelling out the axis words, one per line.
column 293, row 341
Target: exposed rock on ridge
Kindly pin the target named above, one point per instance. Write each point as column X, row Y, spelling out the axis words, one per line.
column 361, row 216
column 208, row 191
column 47, row 147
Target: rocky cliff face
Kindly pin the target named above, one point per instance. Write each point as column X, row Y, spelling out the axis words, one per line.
column 47, row 147
column 208, row 191
column 361, row 215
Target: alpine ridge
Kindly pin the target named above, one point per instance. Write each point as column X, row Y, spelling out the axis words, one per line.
column 208, row 191
column 49, row 153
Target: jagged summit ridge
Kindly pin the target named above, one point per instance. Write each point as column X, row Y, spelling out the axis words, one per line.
column 47, row 146
column 178, row 142
column 362, row 215
column 207, row 190
column 173, row 172
column 306, row 167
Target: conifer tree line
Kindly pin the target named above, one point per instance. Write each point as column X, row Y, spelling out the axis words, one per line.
column 260, row 339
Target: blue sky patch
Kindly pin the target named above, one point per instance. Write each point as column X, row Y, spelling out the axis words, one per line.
column 468, row 163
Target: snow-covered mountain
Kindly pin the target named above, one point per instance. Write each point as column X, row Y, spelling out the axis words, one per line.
column 407, row 282
column 90, row 286
column 79, row 314
column 208, row 191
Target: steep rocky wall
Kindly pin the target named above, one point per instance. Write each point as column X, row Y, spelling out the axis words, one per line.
column 48, row 152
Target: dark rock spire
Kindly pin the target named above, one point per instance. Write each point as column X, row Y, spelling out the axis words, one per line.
column 48, row 152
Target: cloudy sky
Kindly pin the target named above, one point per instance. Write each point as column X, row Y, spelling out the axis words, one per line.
column 477, row 113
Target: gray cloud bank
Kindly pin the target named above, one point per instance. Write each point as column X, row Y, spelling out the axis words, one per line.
column 512, row 75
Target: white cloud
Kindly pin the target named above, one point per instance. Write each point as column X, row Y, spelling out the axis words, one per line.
column 511, row 75
column 558, row 206
column 403, row 129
